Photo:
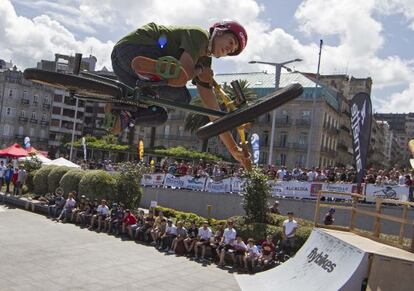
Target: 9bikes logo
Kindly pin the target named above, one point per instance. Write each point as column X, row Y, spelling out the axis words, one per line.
column 321, row 260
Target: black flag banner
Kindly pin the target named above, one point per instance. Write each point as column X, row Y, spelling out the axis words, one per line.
column 361, row 118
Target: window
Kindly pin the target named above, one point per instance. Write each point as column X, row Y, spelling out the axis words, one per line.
column 303, row 138
column 11, row 93
column 283, row 159
column 167, row 130
column 34, row 99
column 46, row 100
column 6, row 130
column 266, row 138
column 33, row 115
column 24, row 94
column 42, row 133
column 56, row 110
column 32, row 131
column 8, row 111
column 22, row 113
column 44, row 117
column 283, row 139
column 180, row 130
column 300, row 160
column 21, row 130
column 306, row 114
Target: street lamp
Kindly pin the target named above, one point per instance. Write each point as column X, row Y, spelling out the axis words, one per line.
column 278, row 69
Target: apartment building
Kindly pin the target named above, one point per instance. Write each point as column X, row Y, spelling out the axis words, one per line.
column 25, row 110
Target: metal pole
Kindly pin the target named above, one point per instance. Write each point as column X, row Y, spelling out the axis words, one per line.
column 278, row 69
column 73, row 129
column 313, row 119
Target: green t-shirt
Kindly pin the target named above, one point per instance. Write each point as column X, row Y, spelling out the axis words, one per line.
column 174, row 39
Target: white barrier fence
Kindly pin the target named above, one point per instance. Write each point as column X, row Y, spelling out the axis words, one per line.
column 293, row 189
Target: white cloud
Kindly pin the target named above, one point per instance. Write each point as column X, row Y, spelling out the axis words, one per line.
column 401, row 102
column 355, row 23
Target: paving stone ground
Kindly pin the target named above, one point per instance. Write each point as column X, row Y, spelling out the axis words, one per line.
column 39, row 254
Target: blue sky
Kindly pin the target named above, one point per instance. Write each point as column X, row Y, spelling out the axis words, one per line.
column 370, row 38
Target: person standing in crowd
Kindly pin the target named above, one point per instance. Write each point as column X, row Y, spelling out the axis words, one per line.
column 329, row 219
column 2, row 171
column 289, row 232
column 21, row 179
column 409, row 183
column 274, row 208
column 15, row 176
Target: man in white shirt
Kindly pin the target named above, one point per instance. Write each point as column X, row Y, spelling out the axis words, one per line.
column 289, row 232
column 168, row 236
column 281, row 173
column 203, row 240
column 67, row 209
column 229, row 235
column 102, row 212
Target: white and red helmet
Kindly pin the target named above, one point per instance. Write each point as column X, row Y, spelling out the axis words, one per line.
column 234, row 27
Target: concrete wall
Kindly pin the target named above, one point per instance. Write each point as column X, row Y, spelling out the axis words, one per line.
column 225, row 205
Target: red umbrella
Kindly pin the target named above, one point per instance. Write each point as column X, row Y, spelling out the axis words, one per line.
column 14, row 151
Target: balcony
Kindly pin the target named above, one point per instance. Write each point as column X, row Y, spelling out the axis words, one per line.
column 303, row 122
column 46, row 106
column 35, row 103
column 282, row 145
column 23, row 119
column 331, row 129
column 42, row 140
column 25, row 101
column 19, row 136
column 298, row 146
column 44, row 123
column 33, row 120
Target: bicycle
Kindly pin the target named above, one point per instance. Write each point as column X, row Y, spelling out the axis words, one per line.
column 89, row 86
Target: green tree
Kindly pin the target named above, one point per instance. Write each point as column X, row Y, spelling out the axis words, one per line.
column 255, row 195
column 128, row 184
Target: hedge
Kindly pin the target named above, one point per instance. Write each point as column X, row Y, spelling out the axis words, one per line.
column 30, row 182
column 54, row 177
column 98, row 184
column 70, row 181
column 40, row 180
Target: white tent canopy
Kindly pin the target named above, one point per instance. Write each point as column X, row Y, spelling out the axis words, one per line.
column 41, row 158
column 62, row 162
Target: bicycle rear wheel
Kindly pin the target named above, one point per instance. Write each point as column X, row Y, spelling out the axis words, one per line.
column 249, row 113
column 83, row 87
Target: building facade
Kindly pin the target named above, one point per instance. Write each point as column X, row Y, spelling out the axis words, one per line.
column 25, row 110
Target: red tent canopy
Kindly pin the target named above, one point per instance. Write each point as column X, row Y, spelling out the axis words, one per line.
column 14, row 151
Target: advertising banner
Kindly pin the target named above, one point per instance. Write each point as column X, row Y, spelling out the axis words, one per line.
column 387, row 192
column 221, row 186
column 153, row 179
column 192, row 183
column 237, row 184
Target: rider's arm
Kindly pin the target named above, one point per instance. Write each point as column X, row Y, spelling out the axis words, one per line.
column 209, row 100
column 188, row 64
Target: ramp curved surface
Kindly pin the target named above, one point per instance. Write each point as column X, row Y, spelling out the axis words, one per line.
column 323, row 263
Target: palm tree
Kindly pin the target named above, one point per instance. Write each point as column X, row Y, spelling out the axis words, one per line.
column 194, row 121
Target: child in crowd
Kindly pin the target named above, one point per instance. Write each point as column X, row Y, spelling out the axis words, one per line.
column 181, row 236
column 268, row 251
column 253, row 254
column 128, row 221
column 192, row 237
column 239, row 251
